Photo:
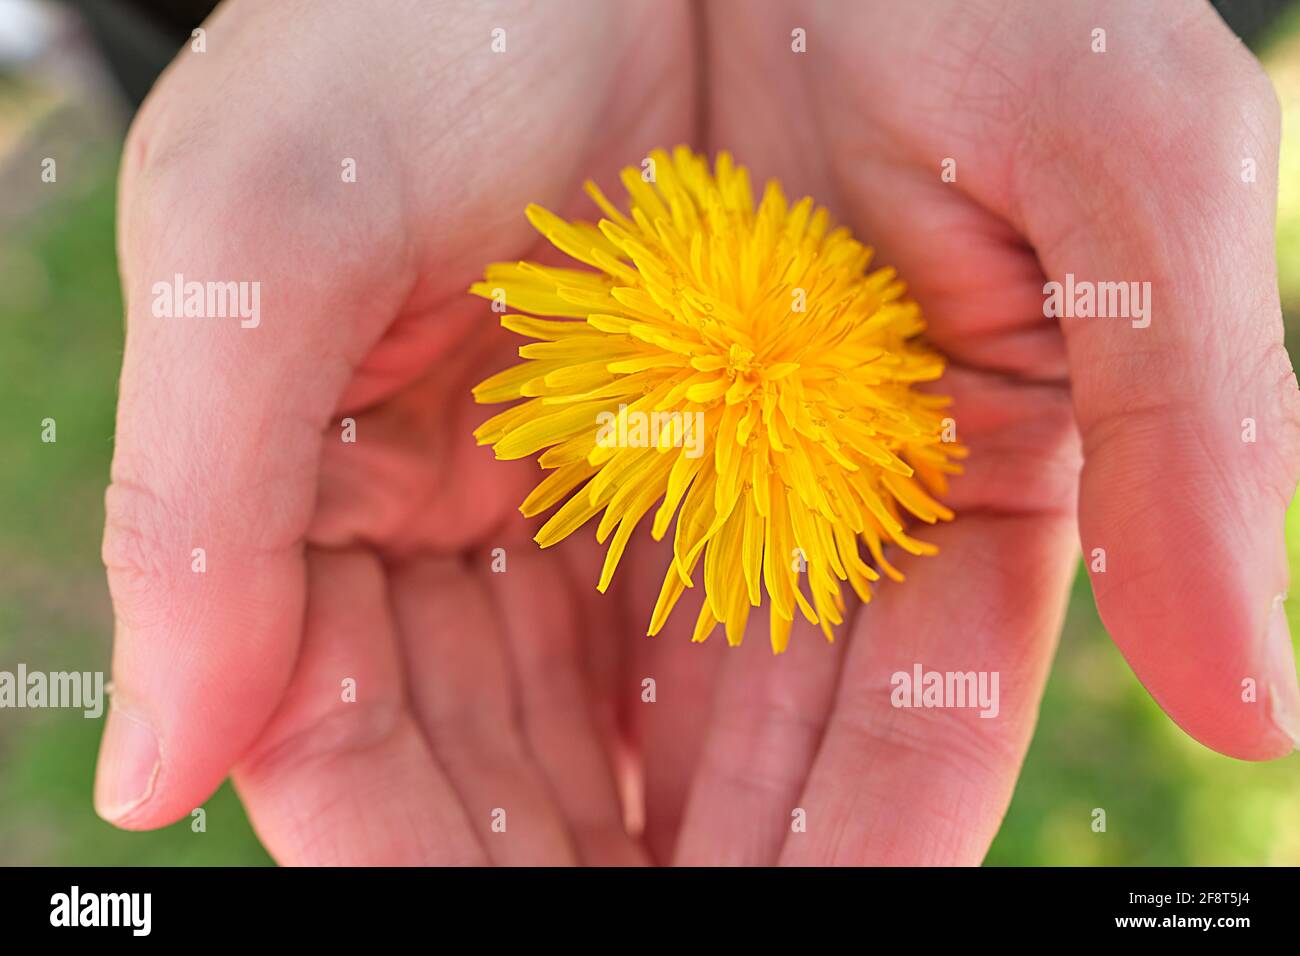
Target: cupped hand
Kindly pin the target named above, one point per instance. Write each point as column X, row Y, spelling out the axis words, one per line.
column 348, row 653
column 1117, row 166
column 340, row 643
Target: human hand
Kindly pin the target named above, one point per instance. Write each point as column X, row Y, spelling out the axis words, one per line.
column 328, row 560
column 1122, row 166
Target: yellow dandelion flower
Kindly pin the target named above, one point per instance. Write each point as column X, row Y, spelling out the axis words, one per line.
column 740, row 367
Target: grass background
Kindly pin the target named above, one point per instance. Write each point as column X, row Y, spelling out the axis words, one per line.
column 1101, row 740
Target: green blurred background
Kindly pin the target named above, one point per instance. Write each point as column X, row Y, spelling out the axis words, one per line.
column 1101, row 740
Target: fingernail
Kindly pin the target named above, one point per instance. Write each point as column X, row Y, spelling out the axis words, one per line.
column 1284, row 693
column 128, row 765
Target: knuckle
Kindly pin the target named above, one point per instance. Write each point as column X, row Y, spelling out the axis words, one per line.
column 135, row 529
column 141, row 549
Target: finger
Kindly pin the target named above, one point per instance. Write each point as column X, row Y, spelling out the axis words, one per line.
column 462, row 691
column 214, row 470
column 768, row 715
column 609, row 641
column 929, row 784
column 893, row 786
column 537, row 606
column 342, row 775
column 1186, row 399
column 671, row 683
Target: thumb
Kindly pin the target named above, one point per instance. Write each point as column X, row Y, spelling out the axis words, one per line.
column 239, row 344
column 1188, row 409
